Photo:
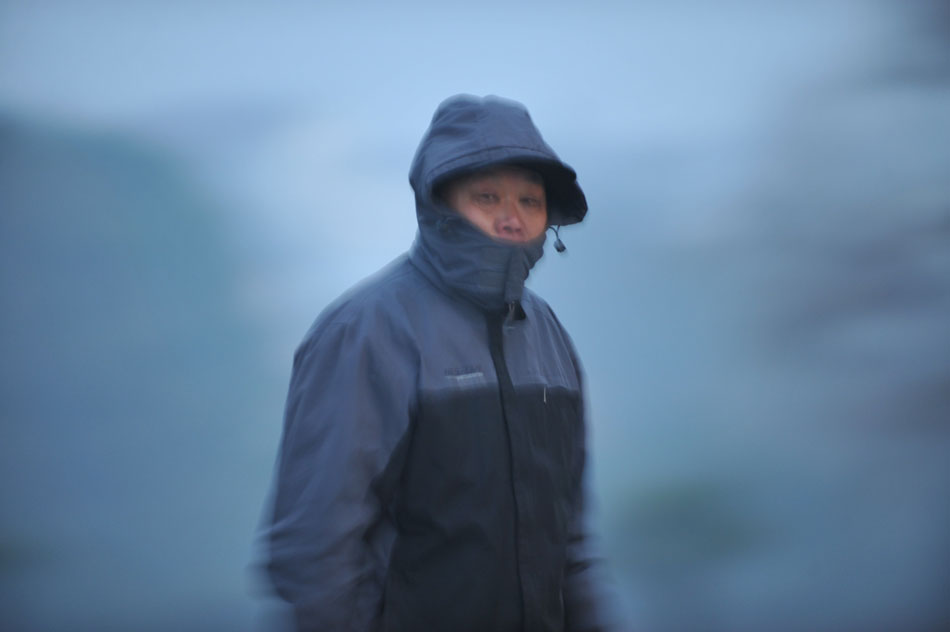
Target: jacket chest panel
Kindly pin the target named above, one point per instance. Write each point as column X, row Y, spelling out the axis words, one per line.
column 455, row 355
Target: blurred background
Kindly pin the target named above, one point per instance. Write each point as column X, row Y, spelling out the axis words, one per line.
column 761, row 292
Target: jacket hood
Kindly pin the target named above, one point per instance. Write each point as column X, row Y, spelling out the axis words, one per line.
column 469, row 133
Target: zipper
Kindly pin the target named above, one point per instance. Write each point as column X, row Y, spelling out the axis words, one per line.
column 506, row 393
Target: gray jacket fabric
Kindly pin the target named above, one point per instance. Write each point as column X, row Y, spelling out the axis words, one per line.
column 430, row 473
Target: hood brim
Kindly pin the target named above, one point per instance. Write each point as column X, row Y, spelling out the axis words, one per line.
column 469, row 134
column 566, row 201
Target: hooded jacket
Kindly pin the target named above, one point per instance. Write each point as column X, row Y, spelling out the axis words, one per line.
column 430, row 474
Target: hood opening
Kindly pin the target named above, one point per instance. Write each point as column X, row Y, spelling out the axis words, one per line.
column 469, row 133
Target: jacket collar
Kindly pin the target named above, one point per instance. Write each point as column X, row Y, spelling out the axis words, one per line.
column 461, row 260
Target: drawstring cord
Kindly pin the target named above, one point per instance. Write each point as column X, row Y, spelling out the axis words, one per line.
column 558, row 244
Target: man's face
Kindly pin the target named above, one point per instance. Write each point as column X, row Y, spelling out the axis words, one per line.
column 507, row 203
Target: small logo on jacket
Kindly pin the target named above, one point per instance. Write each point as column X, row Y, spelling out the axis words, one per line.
column 465, row 375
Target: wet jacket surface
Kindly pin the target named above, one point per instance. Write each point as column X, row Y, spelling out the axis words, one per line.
column 433, row 449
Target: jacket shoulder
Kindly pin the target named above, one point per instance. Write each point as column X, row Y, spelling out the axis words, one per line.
column 546, row 321
column 537, row 307
column 374, row 306
column 532, row 302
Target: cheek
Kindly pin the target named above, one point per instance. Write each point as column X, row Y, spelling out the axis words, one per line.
column 536, row 223
column 478, row 217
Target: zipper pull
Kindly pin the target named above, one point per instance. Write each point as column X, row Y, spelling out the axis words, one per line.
column 515, row 313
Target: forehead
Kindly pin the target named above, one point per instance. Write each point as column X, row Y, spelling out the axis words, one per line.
column 519, row 174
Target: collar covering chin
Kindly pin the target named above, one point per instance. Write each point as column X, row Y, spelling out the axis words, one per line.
column 462, row 260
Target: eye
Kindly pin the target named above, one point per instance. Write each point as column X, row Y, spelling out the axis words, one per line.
column 531, row 202
column 486, row 197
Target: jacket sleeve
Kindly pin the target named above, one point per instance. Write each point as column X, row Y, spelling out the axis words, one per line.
column 590, row 601
column 348, row 407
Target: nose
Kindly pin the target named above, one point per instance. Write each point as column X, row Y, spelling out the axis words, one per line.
column 508, row 222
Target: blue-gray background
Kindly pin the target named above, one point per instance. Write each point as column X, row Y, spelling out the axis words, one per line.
column 761, row 293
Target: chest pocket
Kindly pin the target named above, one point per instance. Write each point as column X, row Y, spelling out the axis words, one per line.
column 540, row 356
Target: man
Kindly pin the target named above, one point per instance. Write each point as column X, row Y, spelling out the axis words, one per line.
column 433, row 449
